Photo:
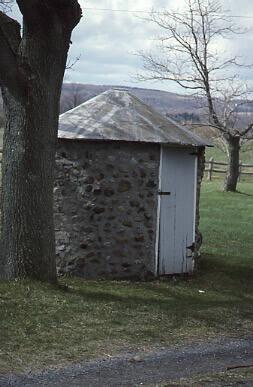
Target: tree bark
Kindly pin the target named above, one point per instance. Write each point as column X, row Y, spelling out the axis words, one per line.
column 231, row 179
column 28, row 245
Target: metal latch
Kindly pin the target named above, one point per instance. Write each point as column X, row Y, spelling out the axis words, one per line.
column 164, row 193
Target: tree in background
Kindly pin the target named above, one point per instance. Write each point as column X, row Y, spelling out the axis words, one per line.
column 73, row 98
column 187, row 54
column 32, row 65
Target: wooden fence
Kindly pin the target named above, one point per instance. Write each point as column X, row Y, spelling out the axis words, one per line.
column 213, row 167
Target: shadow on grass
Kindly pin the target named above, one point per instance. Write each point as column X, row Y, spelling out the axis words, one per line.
column 227, row 287
column 244, row 193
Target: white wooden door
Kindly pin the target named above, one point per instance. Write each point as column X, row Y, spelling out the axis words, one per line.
column 177, row 195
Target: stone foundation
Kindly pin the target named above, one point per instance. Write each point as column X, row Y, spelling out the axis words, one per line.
column 200, row 174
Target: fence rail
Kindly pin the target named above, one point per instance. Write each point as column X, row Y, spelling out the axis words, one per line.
column 212, row 167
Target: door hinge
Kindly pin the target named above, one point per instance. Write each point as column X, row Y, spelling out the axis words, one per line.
column 190, row 250
column 192, row 247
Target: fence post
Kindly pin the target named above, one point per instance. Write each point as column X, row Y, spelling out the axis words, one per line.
column 210, row 169
column 240, row 170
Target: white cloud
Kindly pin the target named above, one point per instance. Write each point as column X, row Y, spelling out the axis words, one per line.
column 108, row 40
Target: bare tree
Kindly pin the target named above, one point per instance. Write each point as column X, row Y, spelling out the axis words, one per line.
column 72, row 97
column 32, row 65
column 187, row 54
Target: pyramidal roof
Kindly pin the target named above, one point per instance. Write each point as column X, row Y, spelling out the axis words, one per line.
column 120, row 116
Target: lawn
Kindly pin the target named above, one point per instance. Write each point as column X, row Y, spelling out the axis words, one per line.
column 44, row 326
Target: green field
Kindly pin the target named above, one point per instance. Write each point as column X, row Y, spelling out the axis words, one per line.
column 246, row 154
column 41, row 325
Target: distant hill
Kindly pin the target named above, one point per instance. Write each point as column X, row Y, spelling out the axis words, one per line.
column 163, row 101
column 183, row 108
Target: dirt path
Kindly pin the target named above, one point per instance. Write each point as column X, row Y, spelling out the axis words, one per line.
column 143, row 369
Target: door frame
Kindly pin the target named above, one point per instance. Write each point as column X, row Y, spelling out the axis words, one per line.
column 157, row 242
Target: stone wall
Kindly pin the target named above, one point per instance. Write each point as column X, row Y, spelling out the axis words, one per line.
column 105, row 208
column 200, row 174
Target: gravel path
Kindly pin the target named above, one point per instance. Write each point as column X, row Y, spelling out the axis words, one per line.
column 143, row 369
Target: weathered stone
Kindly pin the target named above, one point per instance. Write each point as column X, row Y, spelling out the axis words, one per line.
column 84, row 245
column 126, row 264
column 124, row 186
column 88, row 188
column 89, row 206
column 90, row 254
column 150, row 194
column 88, row 230
column 122, row 241
column 127, row 223
column 75, row 172
column 95, row 260
column 142, row 173
column 139, row 238
column 99, row 210
column 89, row 180
column 97, row 191
column 108, row 192
column 151, row 184
column 100, row 176
column 134, row 203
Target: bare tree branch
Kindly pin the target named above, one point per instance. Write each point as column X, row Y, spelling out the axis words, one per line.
column 188, row 57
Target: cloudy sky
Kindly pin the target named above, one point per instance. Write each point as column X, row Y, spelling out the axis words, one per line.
column 107, row 41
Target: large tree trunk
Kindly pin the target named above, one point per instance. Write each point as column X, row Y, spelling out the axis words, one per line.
column 27, row 200
column 231, row 179
column 32, row 110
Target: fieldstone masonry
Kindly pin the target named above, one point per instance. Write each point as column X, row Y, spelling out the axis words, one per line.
column 105, row 208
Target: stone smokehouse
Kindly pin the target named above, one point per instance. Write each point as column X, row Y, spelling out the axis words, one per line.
column 127, row 190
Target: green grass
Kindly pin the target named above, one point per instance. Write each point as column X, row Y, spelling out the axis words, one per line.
column 41, row 325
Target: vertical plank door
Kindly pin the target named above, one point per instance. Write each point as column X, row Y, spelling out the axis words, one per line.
column 178, row 182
